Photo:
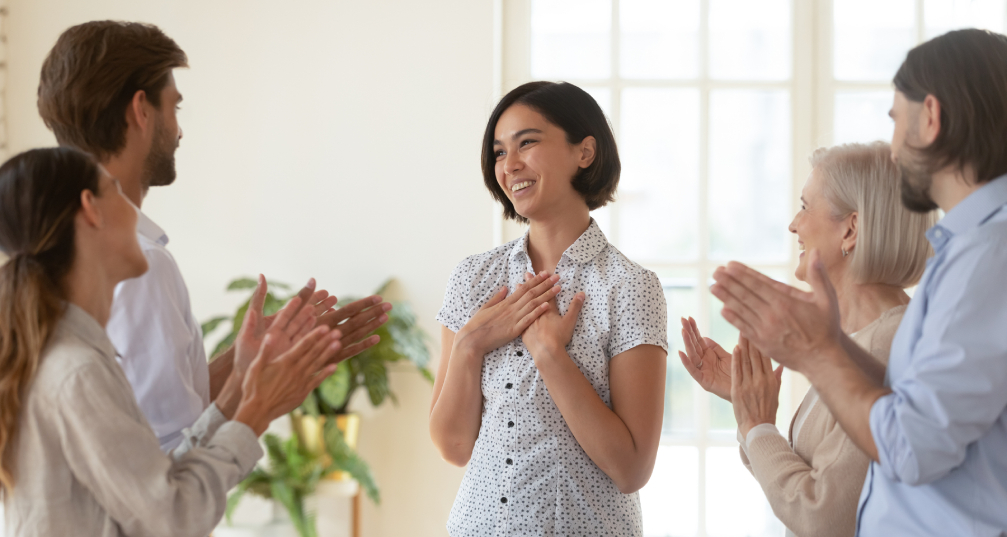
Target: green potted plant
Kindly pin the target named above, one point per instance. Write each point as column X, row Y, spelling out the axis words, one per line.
column 323, row 441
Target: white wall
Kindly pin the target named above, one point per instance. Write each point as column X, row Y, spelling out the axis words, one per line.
column 324, row 138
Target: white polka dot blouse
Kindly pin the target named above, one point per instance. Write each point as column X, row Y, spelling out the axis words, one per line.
column 528, row 475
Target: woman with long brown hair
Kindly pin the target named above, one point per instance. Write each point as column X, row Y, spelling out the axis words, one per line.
column 77, row 456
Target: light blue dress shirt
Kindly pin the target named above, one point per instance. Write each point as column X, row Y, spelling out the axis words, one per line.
column 942, row 434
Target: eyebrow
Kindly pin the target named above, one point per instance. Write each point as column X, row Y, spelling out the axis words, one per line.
column 519, row 134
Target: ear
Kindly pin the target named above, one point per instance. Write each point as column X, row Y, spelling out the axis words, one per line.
column 139, row 112
column 89, row 211
column 930, row 120
column 588, row 150
column 851, row 232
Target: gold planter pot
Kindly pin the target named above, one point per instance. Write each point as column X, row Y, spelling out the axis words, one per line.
column 311, row 431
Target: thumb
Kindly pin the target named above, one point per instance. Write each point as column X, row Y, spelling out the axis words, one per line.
column 496, row 298
column 779, row 373
column 575, row 305
column 824, row 292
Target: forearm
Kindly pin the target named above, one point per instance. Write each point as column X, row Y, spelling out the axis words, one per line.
column 872, row 368
column 598, row 429
column 849, row 393
column 456, row 413
column 220, row 370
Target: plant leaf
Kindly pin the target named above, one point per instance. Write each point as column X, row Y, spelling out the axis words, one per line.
column 347, row 460
column 335, row 389
column 239, row 284
column 212, row 324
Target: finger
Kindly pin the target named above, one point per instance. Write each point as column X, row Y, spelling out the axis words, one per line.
column 364, row 317
column 779, row 374
column 322, row 355
column 258, row 296
column 737, row 321
column 349, row 310
column 690, row 347
column 287, row 313
column 352, row 350
column 764, row 360
column 305, row 293
column 530, row 317
column 757, row 283
column 497, row 298
column 528, row 276
column 824, row 292
column 548, row 296
column 736, row 296
column 695, row 373
column 746, row 359
column 534, row 287
column 324, row 305
column 696, row 334
column 306, row 316
column 575, row 306
column 737, row 376
column 538, row 287
column 298, row 353
column 319, row 378
column 363, row 331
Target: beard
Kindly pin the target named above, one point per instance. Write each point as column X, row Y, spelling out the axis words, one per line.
column 159, row 166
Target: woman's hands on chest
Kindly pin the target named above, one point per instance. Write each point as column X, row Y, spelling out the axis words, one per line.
column 549, row 334
column 504, row 317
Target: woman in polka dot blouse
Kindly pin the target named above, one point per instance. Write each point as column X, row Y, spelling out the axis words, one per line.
column 551, row 380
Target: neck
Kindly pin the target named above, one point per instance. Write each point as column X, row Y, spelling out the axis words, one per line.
column 549, row 238
column 90, row 288
column 952, row 185
column 862, row 304
column 128, row 169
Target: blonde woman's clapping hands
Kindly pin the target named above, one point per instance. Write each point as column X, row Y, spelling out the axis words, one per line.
column 707, row 362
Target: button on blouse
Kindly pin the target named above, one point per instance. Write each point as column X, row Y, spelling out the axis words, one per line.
column 528, row 475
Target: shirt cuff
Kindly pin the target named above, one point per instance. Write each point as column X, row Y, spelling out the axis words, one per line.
column 762, row 429
column 883, row 428
column 240, row 440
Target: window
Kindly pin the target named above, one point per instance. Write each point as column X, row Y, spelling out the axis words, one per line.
column 717, row 105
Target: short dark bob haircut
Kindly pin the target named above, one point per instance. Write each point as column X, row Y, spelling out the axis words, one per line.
column 573, row 110
column 966, row 70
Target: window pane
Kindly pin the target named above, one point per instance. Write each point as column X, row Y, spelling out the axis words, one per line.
column 570, row 38
column 731, row 489
column 862, row 116
column 670, row 500
column 941, row 16
column 679, row 414
column 872, row 38
column 603, row 96
column 750, row 40
column 660, row 39
column 750, row 170
column 659, row 188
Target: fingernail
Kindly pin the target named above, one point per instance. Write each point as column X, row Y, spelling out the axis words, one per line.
column 311, row 283
column 541, row 273
column 376, row 300
column 387, row 307
column 383, row 318
column 555, row 277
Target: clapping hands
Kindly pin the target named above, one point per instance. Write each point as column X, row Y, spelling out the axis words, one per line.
column 706, row 361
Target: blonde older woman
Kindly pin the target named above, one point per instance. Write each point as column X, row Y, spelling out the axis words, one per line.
column 872, row 249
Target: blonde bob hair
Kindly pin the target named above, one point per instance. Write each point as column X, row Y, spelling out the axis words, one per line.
column 891, row 246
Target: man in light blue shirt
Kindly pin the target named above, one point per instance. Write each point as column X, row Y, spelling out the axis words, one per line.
column 935, row 425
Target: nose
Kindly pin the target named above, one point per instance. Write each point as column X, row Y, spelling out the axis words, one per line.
column 512, row 163
column 793, row 225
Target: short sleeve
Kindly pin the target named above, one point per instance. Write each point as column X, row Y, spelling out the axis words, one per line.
column 641, row 314
column 454, row 312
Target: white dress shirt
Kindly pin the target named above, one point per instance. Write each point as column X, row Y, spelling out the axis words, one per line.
column 159, row 341
column 528, row 475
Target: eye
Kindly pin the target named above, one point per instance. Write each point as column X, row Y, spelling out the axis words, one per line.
column 526, row 142
column 499, row 153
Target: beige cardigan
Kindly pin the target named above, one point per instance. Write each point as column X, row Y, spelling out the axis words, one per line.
column 814, row 486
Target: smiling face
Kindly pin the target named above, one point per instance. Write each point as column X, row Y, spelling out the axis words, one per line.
column 536, row 164
column 816, row 227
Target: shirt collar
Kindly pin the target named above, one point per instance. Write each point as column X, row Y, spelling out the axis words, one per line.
column 971, row 212
column 583, row 250
column 81, row 324
column 146, row 227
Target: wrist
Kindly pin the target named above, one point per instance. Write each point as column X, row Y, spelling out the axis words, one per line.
column 250, row 414
column 827, row 359
column 230, row 396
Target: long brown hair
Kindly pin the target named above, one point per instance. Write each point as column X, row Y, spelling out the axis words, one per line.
column 40, row 193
